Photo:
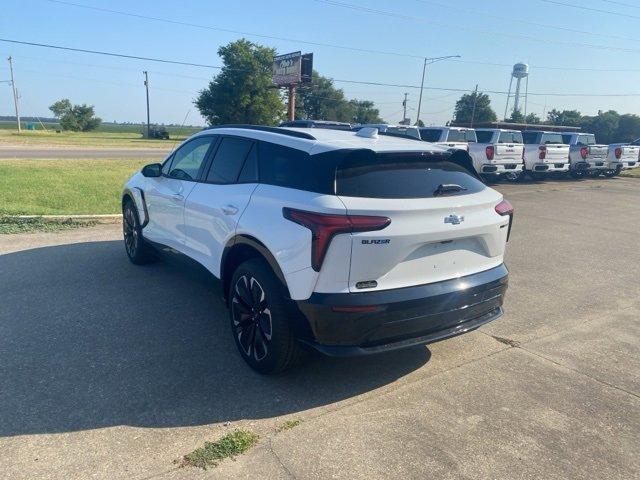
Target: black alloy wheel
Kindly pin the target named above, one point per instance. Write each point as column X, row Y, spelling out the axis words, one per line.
column 251, row 317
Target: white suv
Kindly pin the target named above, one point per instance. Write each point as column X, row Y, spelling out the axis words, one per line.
column 349, row 242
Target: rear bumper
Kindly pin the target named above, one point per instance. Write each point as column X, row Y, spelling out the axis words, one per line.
column 501, row 168
column 549, row 167
column 403, row 317
column 599, row 164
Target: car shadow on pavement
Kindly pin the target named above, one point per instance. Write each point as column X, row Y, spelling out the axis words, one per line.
column 88, row 340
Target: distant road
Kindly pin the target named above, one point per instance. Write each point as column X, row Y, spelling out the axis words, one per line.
column 48, row 153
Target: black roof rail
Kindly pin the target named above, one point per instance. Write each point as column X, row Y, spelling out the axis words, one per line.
column 264, row 128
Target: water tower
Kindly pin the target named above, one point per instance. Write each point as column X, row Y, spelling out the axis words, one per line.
column 520, row 71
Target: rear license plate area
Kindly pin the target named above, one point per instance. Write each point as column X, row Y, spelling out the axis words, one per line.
column 558, row 165
column 599, row 164
column 510, row 166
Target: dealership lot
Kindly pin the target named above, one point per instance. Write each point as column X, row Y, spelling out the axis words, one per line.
column 103, row 375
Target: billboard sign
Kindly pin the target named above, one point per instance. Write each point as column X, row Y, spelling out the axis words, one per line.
column 287, row 69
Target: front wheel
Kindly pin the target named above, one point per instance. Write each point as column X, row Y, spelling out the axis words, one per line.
column 259, row 318
column 134, row 243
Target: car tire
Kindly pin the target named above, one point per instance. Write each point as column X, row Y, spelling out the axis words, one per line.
column 537, row 176
column 138, row 250
column 259, row 313
column 577, row 174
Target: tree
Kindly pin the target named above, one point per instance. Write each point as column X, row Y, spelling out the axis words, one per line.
column 465, row 106
column 533, row 119
column 570, row 118
column 604, row 125
column 516, row 117
column 242, row 92
column 628, row 128
column 77, row 118
column 320, row 100
column 364, row 112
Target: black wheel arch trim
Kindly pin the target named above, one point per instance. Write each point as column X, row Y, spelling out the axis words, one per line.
column 260, row 248
column 129, row 193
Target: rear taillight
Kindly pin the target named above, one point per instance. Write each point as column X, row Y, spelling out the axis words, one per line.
column 584, row 151
column 618, row 152
column 504, row 209
column 325, row 226
column 542, row 152
column 490, row 152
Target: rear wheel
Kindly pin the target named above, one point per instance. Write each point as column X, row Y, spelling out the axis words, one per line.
column 138, row 251
column 537, row 176
column 259, row 319
column 577, row 173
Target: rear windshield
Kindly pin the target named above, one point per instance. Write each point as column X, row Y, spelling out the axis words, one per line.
column 430, row 134
column 586, row 139
column 484, row 136
column 461, row 136
column 405, row 175
column 409, row 132
column 510, row 137
column 551, row 139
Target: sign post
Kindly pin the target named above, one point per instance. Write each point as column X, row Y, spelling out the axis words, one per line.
column 289, row 70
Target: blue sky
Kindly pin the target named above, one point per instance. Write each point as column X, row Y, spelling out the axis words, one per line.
column 493, row 31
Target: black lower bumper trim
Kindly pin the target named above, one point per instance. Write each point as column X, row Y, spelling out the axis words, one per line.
column 405, row 316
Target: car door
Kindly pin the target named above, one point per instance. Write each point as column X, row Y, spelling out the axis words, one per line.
column 165, row 195
column 214, row 206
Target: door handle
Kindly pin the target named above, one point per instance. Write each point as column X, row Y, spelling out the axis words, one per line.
column 178, row 198
column 229, row 209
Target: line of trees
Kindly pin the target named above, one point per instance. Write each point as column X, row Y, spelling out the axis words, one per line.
column 608, row 126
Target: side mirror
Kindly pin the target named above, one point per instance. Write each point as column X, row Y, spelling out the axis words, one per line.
column 152, row 170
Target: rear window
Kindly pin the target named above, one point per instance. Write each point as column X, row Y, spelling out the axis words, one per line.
column 430, row 134
column 484, row 136
column 399, row 175
column 551, row 139
column 408, row 132
column 461, row 136
column 586, row 139
column 510, row 137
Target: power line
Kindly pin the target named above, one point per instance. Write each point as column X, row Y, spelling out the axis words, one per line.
column 483, row 14
column 484, row 32
column 620, row 3
column 590, row 9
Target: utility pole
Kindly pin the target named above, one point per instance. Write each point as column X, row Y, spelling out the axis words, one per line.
column 15, row 94
column 291, row 107
column 424, row 69
column 146, row 86
column 475, row 101
column 404, row 106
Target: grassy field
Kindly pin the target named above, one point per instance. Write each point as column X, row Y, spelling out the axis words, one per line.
column 108, row 135
column 50, row 187
column 631, row 173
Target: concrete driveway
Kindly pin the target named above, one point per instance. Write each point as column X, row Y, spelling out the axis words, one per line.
column 108, row 370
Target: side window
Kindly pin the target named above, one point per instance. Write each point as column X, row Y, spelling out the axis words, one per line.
column 188, row 159
column 529, row 137
column 287, row 167
column 249, row 173
column 484, row 136
column 566, row 139
column 166, row 166
column 229, row 159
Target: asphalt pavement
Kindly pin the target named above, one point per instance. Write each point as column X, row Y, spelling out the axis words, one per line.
column 108, row 370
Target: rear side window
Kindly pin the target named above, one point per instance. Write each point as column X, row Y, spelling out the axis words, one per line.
column 586, row 139
column 229, row 160
column 461, row 136
column 510, row 137
column 530, row 137
column 292, row 168
column 484, row 136
column 407, row 132
column 398, row 175
column 551, row 139
column 430, row 134
column 566, row 139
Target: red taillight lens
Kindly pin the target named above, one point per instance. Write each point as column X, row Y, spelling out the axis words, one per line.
column 542, row 152
column 504, row 208
column 325, row 226
column 490, row 152
column 618, row 152
column 584, row 151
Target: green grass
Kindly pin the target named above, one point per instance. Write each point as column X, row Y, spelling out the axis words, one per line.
column 229, row 446
column 631, row 173
column 288, row 425
column 126, row 139
column 69, row 186
column 29, row 225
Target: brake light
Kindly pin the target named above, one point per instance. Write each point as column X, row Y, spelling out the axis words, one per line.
column 542, row 152
column 618, row 152
column 325, row 226
column 584, row 151
column 490, row 152
column 504, row 208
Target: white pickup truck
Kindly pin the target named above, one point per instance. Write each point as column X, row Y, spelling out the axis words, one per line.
column 545, row 153
column 621, row 156
column 498, row 152
column 452, row 137
column 585, row 155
